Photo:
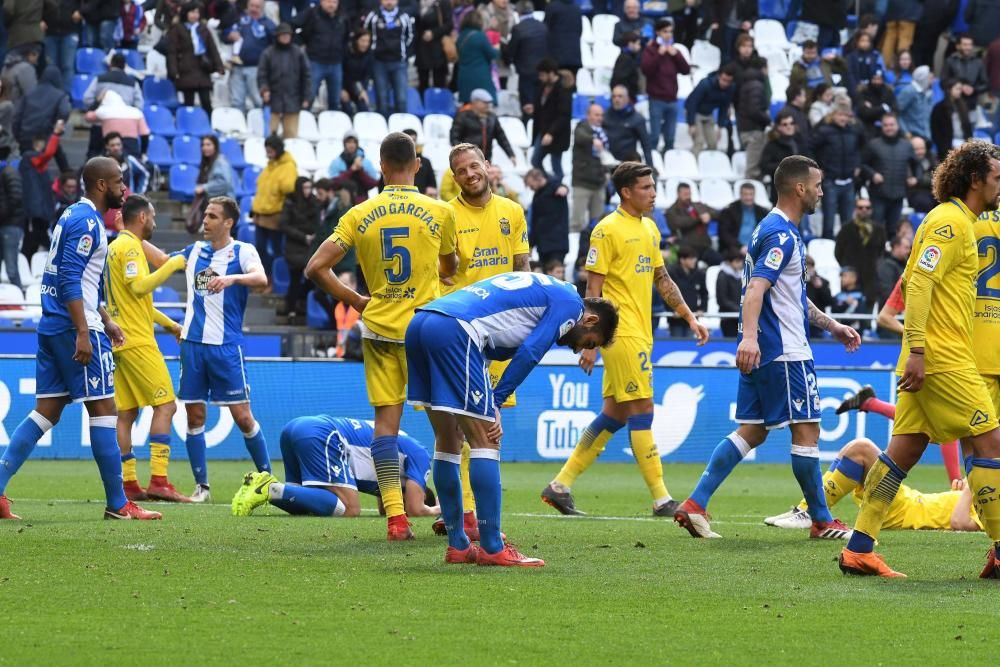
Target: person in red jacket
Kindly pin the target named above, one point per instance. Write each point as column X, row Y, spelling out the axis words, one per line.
column 661, row 63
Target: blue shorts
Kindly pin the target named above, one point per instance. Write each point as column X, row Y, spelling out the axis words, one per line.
column 778, row 394
column 212, row 373
column 446, row 369
column 56, row 374
column 314, row 455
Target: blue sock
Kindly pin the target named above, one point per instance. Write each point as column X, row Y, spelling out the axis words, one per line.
column 852, row 470
column 128, row 457
column 834, row 464
column 805, row 466
column 725, row 458
column 257, row 447
column 22, row 442
column 104, row 447
column 448, row 485
column 197, row 454
column 306, row 501
column 484, row 473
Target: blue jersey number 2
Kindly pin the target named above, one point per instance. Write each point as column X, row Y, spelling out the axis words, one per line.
column 990, row 270
column 397, row 273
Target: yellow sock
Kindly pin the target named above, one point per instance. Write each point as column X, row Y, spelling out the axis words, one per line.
column 468, row 498
column 159, row 459
column 590, row 445
column 984, row 483
column 128, row 468
column 836, row 485
column 881, row 484
column 646, row 455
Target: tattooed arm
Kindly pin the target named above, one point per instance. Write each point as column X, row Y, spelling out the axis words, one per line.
column 843, row 333
column 671, row 295
column 522, row 262
column 819, row 319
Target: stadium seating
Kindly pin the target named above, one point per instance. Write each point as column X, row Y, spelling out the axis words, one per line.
column 760, row 196
column 160, row 120
column 233, row 152
column 308, row 129
column 167, row 294
column 705, row 57
column 587, row 56
column 370, row 126
column 247, row 232
column 407, row 121
column 437, row 128
column 187, row 150
column 304, row 154
column 317, row 316
column 333, row 125
column 414, row 104
column 182, row 181
column 588, row 32
column 668, row 195
column 739, row 162
column 516, row 134
column 238, row 188
column 326, row 151
column 159, row 152
column 716, row 192
column 255, row 123
column 246, row 204
column 229, row 121
column 78, row 87
column 133, row 59
column 280, row 276
column 193, row 121
column 254, row 153
column 90, row 61
column 715, row 164
column 680, row 163
column 585, row 83
column 38, row 262
column 439, row 101
column 160, row 91
column 509, row 103
column 250, row 175
column 605, row 54
column 768, row 32
column 603, row 27
column 23, row 270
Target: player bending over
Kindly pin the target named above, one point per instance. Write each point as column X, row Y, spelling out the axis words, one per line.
column 75, row 335
column 449, row 345
column 777, row 386
column 328, row 460
column 910, row 510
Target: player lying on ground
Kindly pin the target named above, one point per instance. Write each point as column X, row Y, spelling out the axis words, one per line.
column 449, row 345
column 75, row 337
column 911, row 509
column 328, row 460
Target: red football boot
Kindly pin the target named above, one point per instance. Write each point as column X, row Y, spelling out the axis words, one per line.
column 399, row 529
column 868, row 564
column 990, row 571
column 132, row 511
column 134, row 492
column 462, row 556
column 161, row 489
column 5, row 512
column 507, row 557
column 830, row 530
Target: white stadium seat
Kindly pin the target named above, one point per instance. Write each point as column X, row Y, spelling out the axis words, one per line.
column 515, row 131
column 370, row 126
column 682, row 140
column 681, row 164
column 33, row 297
column 821, row 250
column 437, row 128
column 406, row 121
column 327, row 151
column 255, row 123
column 685, row 84
column 711, row 278
column 509, row 103
column 716, row 192
column 604, row 55
column 587, row 56
column 705, row 56
column 739, row 163
column 10, row 295
column 779, row 86
column 23, row 270
column 715, row 164
column 229, row 121
column 333, row 124
column 770, row 32
column 254, row 153
column 38, row 261
column 587, row 36
column 603, row 27
column 760, row 196
column 585, row 83
column 308, row 129
column 670, row 191
column 304, row 154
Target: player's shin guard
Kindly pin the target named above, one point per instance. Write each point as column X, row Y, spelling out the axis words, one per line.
column 22, row 442
column 128, row 468
column 450, row 489
column 484, row 469
column 881, row 484
column 725, row 458
column 647, row 457
column 257, row 447
column 984, row 482
column 843, row 477
column 104, row 447
column 305, row 501
column 159, row 454
column 592, row 442
column 805, row 466
column 468, row 497
column 197, row 454
column 385, row 454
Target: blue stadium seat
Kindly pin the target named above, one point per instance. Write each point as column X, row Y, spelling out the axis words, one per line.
column 775, row 108
column 160, row 120
column 133, row 59
column 90, row 61
column 187, row 149
column 160, row 91
column 250, row 175
column 279, row 276
column 159, row 152
column 182, row 181
column 233, row 152
column 246, row 203
column 78, row 87
column 167, row 294
column 193, row 121
column 247, row 233
column 773, row 9
column 414, row 104
column 316, row 315
column 983, row 133
column 238, row 184
column 581, row 102
column 937, row 94
column 439, row 100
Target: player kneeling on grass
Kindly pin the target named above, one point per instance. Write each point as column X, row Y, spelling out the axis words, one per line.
column 449, row 345
column 910, row 510
column 328, row 460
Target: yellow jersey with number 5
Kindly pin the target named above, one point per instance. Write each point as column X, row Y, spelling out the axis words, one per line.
column 399, row 235
column 986, row 324
column 488, row 237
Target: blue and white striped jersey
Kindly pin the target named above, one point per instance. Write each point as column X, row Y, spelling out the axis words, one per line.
column 74, row 268
column 776, row 252
column 356, row 438
column 216, row 319
column 516, row 316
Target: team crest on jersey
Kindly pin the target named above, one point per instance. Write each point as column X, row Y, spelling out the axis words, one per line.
column 773, row 259
column 565, row 327
column 84, row 246
column 945, row 232
column 505, row 226
column 203, row 278
column 929, row 258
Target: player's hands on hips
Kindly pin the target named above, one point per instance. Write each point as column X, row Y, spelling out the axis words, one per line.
column 362, row 304
column 848, row 336
column 115, row 333
column 495, row 431
column 913, row 374
column 587, row 360
column 219, row 283
column 84, row 349
column 700, row 331
column 748, row 355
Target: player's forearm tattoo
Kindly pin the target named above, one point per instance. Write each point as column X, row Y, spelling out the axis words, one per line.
column 818, row 318
column 522, row 262
column 669, row 291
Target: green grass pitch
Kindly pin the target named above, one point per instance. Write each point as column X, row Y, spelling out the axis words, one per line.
column 619, row 587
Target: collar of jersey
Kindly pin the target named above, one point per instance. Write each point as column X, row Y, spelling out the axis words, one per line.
column 628, row 216
column 125, row 231
column 84, row 200
column 405, row 188
column 465, row 202
column 783, row 215
column 961, row 204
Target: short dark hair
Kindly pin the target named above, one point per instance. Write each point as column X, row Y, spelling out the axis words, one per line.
column 551, row 264
column 607, row 314
column 118, row 61
column 731, row 254
column 747, row 185
column 230, row 209
column 630, row 36
column 410, row 132
column 791, row 170
column 133, row 206
column 809, row 44
column 964, row 35
column 627, row 174
column 729, row 69
column 793, row 91
column 472, row 20
column 686, row 251
column 890, row 114
column 276, row 143
column 683, row 185
column 547, row 65
column 867, row 20
column 662, row 23
column 524, row 7
column 112, row 135
column 323, row 184
column 743, row 39
column 69, row 175
column 397, row 150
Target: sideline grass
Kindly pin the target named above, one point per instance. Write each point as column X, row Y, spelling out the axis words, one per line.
column 619, row 587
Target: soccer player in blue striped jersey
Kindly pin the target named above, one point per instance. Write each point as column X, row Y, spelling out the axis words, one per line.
column 74, row 362
column 220, row 272
column 449, row 345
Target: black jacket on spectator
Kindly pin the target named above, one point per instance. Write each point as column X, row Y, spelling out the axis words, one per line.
column 11, row 197
column 935, row 21
column 753, row 108
column 825, row 13
column 706, row 98
column 95, row 11
column 894, row 159
column 58, row 17
column 437, row 19
column 36, row 113
column 728, row 292
column 730, row 221
column 470, row 127
column 692, row 287
column 888, row 269
column 424, row 178
column 565, row 23
column 627, row 135
column 552, row 116
column 549, row 222
column 983, row 17
column 528, row 45
column 587, row 168
column 184, row 68
column 775, row 150
column 837, row 149
column 390, row 44
column 851, row 250
column 803, row 129
column 39, row 200
column 626, row 72
column 873, row 102
column 358, row 72
column 821, row 297
column 921, row 196
column 325, row 37
column 718, row 11
column 285, row 72
column 942, row 129
column 625, row 25
column 299, row 219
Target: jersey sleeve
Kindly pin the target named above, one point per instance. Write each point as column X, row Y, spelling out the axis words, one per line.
column 520, row 233
column 601, row 251
column 78, row 245
column 417, row 464
column 184, row 252
column 343, row 234
column 448, row 234
column 249, row 258
column 657, row 240
column 938, row 251
column 773, row 255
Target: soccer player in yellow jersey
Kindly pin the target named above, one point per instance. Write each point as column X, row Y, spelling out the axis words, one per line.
column 141, row 376
column 942, row 394
column 624, row 264
column 405, row 244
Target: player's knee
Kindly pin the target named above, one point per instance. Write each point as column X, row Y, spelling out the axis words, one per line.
column 861, row 450
column 166, row 409
column 245, row 421
column 753, row 434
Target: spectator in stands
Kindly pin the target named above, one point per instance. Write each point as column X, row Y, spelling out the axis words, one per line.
column 285, row 82
column 850, row 299
column 590, row 178
column 335, row 200
column 12, row 220
column 192, row 57
column 950, row 125
column 167, row 12
column 746, row 58
column 113, row 116
column 726, row 20
column 100, row 17
column 299, row 220
column 359, row 67
column 861, row 243
column 901, row 72
column 631, row 22
column 528, row 46
column 548, row 216
column 21, row 69
column 991, row 61
column 983, row 17
column 890, row 267
column 627, row 66
column 425, row 181
column 862, row 64
column 818, row 292
column 685, row 15
column 289, row 8
column 475, row 59
column 837, row 147
column 36, row 186
column 868, row 24
column 782, row 141
column 738, row 220
column 967, row 67
column 822, row 105
column 662, row 62
column 501, row 188
column 900, row 24
column 67, row 189
column 729, row 291
column 796, row 101
column 811, row 70
column 215, row 174
column 753, row 116
column 888, row 163
column 433, row 24
column 352, row 166
column 690, row 280
column 7, row 140
column 873, row 100
column 712, row 96
column 553, row 108
column 498, row 19
column 476, row 123
column 921, row 196
column 275, row 182
column 392, row 41
column 36, row 114
column 131, row 22
column 135, row 174
column 689, row 220
column 324, row 31
column 62, row 36
column 23, row 19
column 565, row 24
column 626, row 129
column 935, row 21
column 116, row 79
column 554, row 268
column 915, row 102
column 254, row 32
column 830, row 16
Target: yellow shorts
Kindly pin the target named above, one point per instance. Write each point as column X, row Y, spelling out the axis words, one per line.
column 628, row 370
column 385, row 371
column 496, row 372
column 141, row 378
column 950, row 405
column 993, row 387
